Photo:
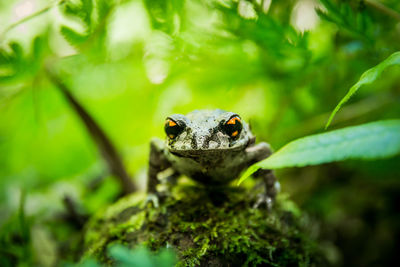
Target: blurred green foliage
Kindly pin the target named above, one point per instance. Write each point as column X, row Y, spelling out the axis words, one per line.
column 280, row 64
column 367, row 77
column 141, row 257
column 124, row 257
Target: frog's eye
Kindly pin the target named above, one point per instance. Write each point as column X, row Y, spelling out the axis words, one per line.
column 173, row 128
column 233, row 126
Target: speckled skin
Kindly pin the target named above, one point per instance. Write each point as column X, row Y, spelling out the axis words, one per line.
column 206, row 154
column 203, row 133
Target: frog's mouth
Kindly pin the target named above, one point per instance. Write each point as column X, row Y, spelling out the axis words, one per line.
column 196, row 153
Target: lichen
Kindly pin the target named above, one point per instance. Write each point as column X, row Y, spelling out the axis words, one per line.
column 206, row 229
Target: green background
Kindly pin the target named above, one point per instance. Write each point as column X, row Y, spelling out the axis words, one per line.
column 278, row 64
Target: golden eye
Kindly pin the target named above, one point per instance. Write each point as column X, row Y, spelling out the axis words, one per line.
column 171, row 123
column 233, row 120
column 233, row 126
column 173, row 128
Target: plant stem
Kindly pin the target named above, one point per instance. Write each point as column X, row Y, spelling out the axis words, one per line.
column 383, row 9
column 103, row 142
column 27, row 18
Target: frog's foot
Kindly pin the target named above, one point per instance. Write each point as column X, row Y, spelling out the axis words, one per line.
column 263, row 200
column 152, row 199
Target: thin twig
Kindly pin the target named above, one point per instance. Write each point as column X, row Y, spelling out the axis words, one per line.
column 103, row 142
column 383, row 9
column 27, row 18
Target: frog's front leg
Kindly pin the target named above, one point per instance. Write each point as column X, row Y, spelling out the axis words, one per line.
column 271, row 188
column 157, row 163
column 256, row 153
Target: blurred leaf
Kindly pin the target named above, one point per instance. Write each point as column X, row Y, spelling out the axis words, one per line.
column 284, row 50
column 354, row 22
column 366, row 78
column 106, row 193
column 367, row 141
column 71, row 9
column 43, row 246
column 166, row 15
column 24, row 225
column 126, row 257
column 15, row 237
column 18, row 64
column 85, row 263
column 39, row 46
column 11, row 59
column 17, row 50
column 93, row 17
column 103, row 7
column 141, row 256
column 87, row 7
column 73, row 37
column 81, row 10
column 166, row 258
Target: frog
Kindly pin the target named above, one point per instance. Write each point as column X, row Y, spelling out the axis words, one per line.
column 211, row 147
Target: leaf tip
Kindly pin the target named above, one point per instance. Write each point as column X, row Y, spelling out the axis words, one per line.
column 252, row 169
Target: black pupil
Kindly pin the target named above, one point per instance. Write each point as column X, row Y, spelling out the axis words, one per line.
column 230, row 129
column 173, row 131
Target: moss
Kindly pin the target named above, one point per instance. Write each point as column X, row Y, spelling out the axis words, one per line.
column 206, row 228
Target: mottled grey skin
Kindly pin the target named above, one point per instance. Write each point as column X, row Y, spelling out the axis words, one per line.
column 209, row 156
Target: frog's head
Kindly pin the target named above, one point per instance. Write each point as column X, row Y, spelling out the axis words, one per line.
column 204, row 131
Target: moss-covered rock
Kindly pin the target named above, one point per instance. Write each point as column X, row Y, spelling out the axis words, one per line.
column 206, row 228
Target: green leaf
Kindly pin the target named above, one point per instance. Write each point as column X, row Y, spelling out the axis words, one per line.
column 163, row 14
column 366, row 78
column 103, row 8
column 70, row 9
column 87, row 7
column 367, row 141
column 141, row 256
column 347, row 19
column 86, row 263
column 4, row 56
column 40, row 48
column 82, row 10
column 73, row 37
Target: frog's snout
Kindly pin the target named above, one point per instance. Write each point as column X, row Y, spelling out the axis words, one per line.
column 205, row 142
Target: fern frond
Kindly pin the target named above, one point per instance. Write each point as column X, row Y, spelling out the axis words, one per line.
column 73, row 37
